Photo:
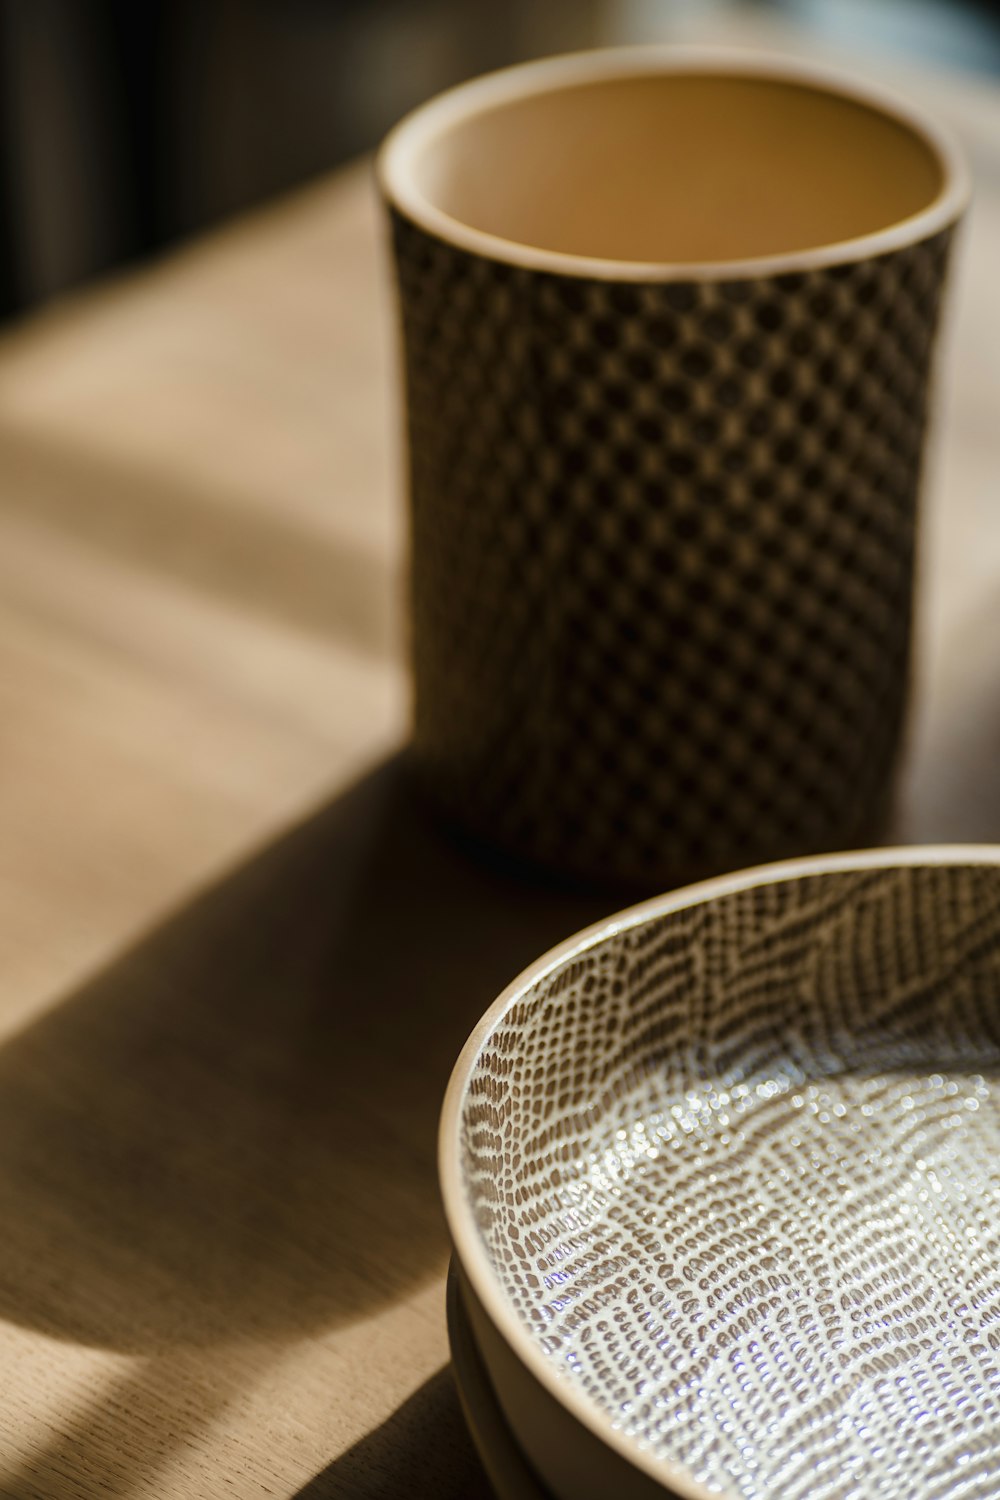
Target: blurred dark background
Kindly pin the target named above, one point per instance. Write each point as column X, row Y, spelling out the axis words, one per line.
column 127, row 124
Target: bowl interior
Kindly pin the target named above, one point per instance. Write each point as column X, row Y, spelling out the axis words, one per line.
column 734, row 1171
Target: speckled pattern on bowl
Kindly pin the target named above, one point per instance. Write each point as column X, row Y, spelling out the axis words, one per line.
column 723, row 1179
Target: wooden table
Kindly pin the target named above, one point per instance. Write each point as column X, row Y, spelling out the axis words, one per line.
column 237, row 960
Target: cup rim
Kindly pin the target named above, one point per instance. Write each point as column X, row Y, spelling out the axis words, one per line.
column 458, row 1210
column 396, row 179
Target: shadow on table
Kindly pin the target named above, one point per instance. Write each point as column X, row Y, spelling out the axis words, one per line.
column 422, row 1449
column 228, row 1135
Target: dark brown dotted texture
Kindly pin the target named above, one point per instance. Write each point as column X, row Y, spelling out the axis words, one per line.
column 737, row 1170
column 662, row 549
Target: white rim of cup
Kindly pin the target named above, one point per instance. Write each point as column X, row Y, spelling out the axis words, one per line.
column 416, row 131
column 457, row 1207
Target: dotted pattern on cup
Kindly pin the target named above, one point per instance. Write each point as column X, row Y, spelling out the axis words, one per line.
column 737, row 1171
column 662, row 553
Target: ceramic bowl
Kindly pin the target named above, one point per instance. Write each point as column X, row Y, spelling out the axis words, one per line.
column 506, row 1468
column 722, row 1176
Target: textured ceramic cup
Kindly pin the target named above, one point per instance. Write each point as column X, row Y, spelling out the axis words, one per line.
column 668, row 321
column 722, row 1176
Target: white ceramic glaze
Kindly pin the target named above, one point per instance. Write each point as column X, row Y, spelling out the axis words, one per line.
column 738, row 1145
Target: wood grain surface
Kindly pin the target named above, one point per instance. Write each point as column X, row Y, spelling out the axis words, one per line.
column 238, row 959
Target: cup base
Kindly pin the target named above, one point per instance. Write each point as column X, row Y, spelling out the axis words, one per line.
column 501, row 849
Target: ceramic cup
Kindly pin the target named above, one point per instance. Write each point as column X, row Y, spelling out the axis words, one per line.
column 668, row 319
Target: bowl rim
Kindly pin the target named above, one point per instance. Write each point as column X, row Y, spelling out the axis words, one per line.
column 457, row 1206
column 396, row 177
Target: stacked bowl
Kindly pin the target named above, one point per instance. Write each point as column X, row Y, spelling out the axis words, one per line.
column 722, row 1176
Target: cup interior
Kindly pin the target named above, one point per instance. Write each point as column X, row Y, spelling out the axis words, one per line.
column 681, row 165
